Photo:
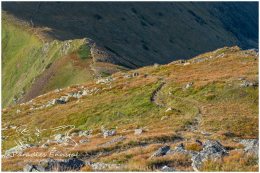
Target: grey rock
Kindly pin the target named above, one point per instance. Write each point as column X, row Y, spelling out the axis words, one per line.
column 18, row 149
column 251, row 146
column 181, row 149
column 167, row 169
column 99, row 166
column 188, row 85
column 83, row 141
column 211, row 150
column 59, row 138
column 59, row 101
column 85, row 92
column 71, row 164
column 45, row 145
column 104, row 80
column 246, row 83
column 138, row 131
column 161, row 151
column 127, row 76
column 85, row 133
column 156, row 65
column 33, row 168
column 107, row 133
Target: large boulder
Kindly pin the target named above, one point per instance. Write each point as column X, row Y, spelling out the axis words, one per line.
column 211, row 150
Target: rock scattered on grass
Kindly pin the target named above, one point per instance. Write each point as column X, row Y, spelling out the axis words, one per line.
column 138, row 131
column 161, row 151
column 211, row 150
column 167, row 169
column 251, row 146
column 71, row 164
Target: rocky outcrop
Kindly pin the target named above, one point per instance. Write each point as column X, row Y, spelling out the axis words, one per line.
column 181, row 149
column 71, row 164
column 251, row 146
column 17, row 149
column 167, row 169
column 33, row 168
column 107, row 133
column 211, row 150
column 246, row 83
column 99, row 166
column 161, row 151
column 67, row 97
column 104, row 80
column 85, row 133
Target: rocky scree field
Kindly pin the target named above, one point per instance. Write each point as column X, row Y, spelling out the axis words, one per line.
column 189, row 115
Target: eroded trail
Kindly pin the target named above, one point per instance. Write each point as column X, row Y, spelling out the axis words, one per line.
column 160, row 100
column 154, row 98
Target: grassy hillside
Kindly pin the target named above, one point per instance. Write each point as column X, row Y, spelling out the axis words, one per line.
column 34, row 63
column 26, row 56
column 203, row 98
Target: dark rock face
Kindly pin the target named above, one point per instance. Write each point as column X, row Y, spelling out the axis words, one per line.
column 147, row 33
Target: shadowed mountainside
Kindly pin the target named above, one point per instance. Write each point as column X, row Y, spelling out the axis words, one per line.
column 147, row 33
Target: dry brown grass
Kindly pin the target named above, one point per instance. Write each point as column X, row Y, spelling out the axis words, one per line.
column 193, row 146
column 219, row 116
column 236, row 161
column 178, row 161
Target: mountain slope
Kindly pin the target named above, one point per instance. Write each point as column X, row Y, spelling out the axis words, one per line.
column 34, row 63
column 212, row 96
column 147, row 33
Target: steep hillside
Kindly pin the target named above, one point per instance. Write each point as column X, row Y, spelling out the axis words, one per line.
column 213, row 96
column 147, row 33
column 34, row 63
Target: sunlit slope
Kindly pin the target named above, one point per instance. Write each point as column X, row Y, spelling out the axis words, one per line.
column 32, row 65
column 215, row 92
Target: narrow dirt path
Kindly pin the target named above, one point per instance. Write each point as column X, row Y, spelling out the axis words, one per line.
column 154, row 97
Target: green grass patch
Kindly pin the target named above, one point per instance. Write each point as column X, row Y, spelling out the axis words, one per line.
column 84, row 52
